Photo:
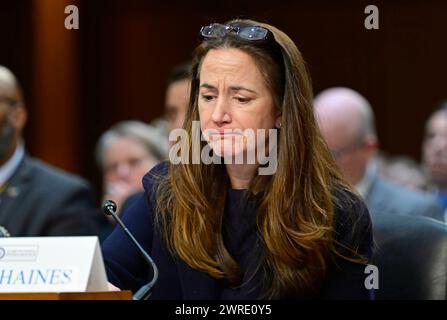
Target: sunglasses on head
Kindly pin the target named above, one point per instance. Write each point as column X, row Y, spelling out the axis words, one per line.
column 250, row 33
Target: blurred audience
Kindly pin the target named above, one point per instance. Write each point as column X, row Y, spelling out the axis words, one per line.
column 177, row 95
column 434, row 152
column 402, row 170
column 125, row 153
column 36, row 199
column 152, row 140
column 176, row 106
column 346, row 121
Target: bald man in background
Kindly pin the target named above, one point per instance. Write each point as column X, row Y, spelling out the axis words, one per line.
column 35, row 198
column 347, row 123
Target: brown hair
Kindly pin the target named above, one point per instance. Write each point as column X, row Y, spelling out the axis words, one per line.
column 295, row 216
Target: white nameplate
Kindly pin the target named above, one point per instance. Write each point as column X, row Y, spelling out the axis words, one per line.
column 51, row 264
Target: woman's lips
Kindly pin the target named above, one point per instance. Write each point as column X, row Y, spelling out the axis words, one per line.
column 224, row 133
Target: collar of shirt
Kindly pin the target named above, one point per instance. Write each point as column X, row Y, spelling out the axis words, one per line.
column 8, row 169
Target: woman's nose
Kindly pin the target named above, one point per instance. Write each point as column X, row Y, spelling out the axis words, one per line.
column 221, row 113
column 123, row 170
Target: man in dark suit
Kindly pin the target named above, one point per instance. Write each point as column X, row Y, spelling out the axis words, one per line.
column 35, row 198
column 346, row 121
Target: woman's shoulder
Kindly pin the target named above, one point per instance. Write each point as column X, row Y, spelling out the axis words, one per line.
column 352, row 220
column 349, row 205
column 158, row 172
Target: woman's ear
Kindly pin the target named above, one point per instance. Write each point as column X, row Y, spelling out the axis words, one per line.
column 19, row 117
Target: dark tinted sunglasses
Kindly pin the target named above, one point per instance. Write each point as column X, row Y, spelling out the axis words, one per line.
column 250, row 33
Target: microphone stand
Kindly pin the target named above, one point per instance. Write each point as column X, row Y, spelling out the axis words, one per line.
column 109, row 208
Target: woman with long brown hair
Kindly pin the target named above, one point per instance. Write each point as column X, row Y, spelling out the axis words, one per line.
column 219, row 228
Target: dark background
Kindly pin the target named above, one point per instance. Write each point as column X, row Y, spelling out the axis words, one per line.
column 78, row 83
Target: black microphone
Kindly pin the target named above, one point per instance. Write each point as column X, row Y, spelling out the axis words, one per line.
column 109, row 208
column 4, row 233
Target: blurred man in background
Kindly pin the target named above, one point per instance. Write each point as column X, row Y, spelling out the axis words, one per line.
column 434, row 153
column 403, row 170
column 177, row 95
column 176, row 103
column 346, row 121
column 35, row 198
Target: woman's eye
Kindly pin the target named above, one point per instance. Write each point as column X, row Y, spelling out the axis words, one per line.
column 134, row 162
column 243, row 99
column 207, row 97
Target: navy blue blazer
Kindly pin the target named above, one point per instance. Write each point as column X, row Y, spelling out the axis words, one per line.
column 127, row 270
column 41, row 200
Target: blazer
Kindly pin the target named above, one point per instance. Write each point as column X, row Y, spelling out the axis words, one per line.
column 40, row 200
column 127, row 270
column 386, row 197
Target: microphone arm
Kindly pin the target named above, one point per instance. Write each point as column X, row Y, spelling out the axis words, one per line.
column 109, row 208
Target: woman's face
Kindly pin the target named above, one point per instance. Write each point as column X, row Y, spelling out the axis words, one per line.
column 126, row 161
column 233, row 97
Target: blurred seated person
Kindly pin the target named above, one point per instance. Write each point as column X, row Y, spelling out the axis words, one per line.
column 36, row 199
column 434, row 152
column 177, row 95
column 346, row 121
column 402, row 170
column 124, row 154
column 288, row 228
column 176, row 105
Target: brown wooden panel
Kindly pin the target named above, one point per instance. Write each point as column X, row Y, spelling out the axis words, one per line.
column 56, row 86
